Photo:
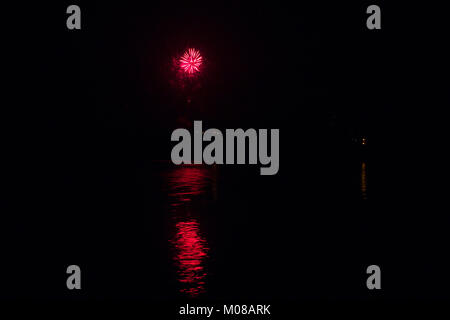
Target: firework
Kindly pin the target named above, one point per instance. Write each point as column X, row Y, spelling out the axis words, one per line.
column 191, row 61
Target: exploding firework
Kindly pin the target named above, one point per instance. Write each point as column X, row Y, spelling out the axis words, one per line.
column 191, row 61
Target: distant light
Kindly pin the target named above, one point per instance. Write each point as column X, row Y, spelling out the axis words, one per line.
column 191, row 61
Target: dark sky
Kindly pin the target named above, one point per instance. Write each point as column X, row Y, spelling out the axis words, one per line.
column 311, row 59
column 100, row 100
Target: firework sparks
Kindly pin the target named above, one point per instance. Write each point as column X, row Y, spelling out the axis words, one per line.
column 191, row 61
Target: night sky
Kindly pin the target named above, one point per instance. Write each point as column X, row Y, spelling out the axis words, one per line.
column 90, row 117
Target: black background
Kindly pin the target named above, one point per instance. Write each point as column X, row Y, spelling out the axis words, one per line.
column 90, row 111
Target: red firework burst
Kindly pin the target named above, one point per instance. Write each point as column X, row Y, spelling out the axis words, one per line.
column 191, row 61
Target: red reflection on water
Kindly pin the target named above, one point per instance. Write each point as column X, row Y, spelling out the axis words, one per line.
column 191, row 251
column 185, row 184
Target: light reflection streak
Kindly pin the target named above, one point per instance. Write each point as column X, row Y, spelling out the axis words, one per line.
column 364, row 180
column 185, row 185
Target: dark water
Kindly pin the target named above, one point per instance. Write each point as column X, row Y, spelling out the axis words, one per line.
column 186, row 187
column 164, row 232
column 236, row 253
column 160, row 232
